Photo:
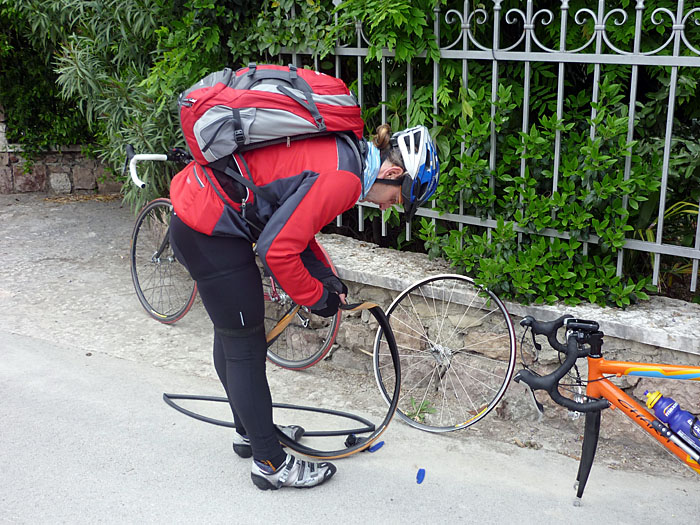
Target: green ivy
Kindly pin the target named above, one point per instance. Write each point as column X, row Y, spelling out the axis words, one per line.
column 401, row 26
column 586, row 203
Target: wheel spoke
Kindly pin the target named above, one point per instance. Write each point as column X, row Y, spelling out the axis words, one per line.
column 305, row 340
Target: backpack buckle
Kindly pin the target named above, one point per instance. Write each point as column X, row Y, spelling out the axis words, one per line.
column 244, row 203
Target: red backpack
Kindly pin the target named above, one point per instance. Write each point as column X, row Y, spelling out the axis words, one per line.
column 228, row 112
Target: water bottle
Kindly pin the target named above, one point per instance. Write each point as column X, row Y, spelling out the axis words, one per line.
column 682, row 422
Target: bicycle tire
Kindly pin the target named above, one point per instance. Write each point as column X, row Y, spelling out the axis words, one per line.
column 457, row 348
column 307, row 339
column 392, row 401
column 163, row 286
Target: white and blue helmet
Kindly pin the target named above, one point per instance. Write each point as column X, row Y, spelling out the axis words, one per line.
column 422, row 166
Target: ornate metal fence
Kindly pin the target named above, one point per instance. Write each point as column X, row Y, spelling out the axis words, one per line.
column 525, row 46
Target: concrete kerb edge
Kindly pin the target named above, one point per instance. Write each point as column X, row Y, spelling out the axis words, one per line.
column 661, row 322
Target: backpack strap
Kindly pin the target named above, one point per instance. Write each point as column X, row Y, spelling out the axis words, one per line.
column 238, row 133
column 359, row 148
column 228, row 170
column 247, row 182
column 309, row 104
column 255, row 76
column 226, row 202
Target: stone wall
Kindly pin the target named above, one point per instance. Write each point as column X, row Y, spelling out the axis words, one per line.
column 660, row 330
column 55, row 172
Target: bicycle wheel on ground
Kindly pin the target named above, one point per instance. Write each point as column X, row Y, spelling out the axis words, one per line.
column 163, row 286
column 457, row 349
column 308, row 337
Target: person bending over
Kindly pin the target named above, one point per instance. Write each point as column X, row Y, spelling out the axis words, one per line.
column 307, row 184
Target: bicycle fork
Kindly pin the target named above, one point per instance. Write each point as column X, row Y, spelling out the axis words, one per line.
column 163, row 245
column 590, row 443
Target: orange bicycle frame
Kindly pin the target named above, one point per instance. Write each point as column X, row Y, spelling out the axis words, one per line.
column 600, row 387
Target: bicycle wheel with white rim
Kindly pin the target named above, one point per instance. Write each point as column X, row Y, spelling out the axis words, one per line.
column 457, row 348
column 163, row 286
column 308, row 337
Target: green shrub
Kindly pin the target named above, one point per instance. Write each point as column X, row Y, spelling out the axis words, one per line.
column 125, row 61
column 37, row 117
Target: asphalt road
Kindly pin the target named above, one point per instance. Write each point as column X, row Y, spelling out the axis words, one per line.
column 85, row 436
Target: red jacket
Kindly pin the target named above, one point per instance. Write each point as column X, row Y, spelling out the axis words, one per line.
column 310, row 182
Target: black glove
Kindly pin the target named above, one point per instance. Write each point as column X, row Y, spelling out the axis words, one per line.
column 333, row 284
column 328, row 305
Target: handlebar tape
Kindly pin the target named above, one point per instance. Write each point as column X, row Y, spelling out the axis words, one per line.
column 548, row 329
column 550, row 382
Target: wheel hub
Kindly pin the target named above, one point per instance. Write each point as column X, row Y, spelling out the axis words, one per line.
column 441, row 354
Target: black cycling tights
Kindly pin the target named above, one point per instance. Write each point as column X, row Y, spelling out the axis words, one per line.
column 230, row 286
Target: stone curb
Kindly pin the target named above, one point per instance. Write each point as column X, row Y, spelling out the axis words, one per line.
column 662, row 322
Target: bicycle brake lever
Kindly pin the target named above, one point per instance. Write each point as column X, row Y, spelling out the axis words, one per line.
column 538, row 406
column 534, row 341
column 129, row 154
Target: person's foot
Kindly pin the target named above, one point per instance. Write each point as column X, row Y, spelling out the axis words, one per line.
column 241, row 444
column 294, row 472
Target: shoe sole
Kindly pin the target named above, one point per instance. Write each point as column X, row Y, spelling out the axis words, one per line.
column 262, row 483
column 244, row 451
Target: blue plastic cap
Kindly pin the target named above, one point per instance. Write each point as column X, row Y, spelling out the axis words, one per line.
column 376, row 446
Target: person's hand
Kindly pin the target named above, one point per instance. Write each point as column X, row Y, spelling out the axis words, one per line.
column 328, row 305
column 334, row 284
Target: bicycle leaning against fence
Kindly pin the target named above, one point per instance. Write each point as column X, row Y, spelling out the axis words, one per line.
column 166, row 291
column 585, row 340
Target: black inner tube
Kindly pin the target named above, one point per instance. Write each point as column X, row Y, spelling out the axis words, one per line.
column 358, row 445
column 369, row 426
